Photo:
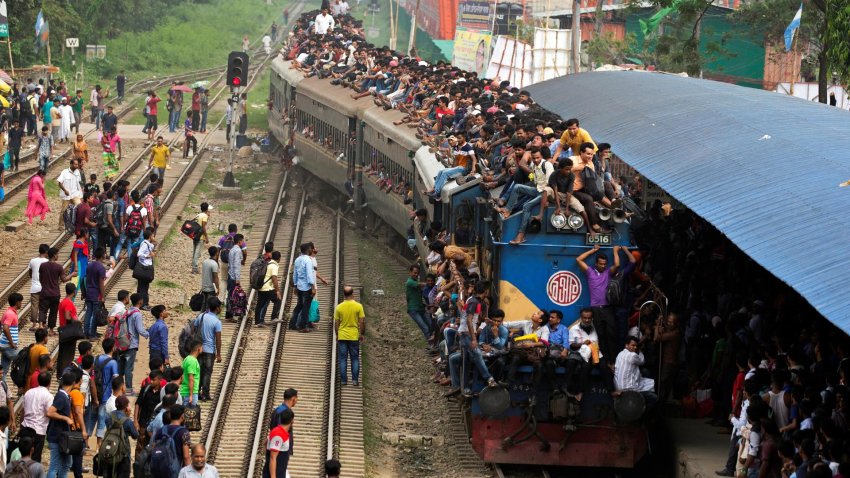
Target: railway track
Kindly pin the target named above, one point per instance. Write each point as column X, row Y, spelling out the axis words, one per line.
column 19, row 180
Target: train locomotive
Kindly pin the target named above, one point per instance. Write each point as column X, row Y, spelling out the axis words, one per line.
column 354, row 147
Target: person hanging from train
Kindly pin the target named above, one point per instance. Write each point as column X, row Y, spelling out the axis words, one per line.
column 530, row 347
column 584, row 354
column 598, row 278
column 627, row 372
column 473, row 309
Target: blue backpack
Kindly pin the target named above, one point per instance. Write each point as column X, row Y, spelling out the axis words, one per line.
column 163, row 455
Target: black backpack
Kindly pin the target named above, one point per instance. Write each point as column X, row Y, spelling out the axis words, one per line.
column 257, row 273
column 97, row 215
column 616, row 291
column 225, row 249
column 69, row 218
column 592, row 183
column 20, row 369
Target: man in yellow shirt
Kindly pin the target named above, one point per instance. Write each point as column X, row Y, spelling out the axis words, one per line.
column 160, row 154
column 269, row 292
column 350, row 323
column 572, row 138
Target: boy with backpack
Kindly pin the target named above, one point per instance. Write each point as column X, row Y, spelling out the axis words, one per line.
column 25, row 465
column 106, row 372
column 126, row 333
column 44, row 148
column 114, row 453
column 170, row 449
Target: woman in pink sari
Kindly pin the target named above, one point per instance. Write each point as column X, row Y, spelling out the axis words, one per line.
column 36, row 198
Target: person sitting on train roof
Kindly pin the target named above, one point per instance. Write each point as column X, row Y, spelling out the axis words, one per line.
column 464, row 165
column 561, row 186
column 573, row 138
column 585, row 160
column 541, row 170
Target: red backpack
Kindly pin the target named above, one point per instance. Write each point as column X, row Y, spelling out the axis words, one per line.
column 121, row 330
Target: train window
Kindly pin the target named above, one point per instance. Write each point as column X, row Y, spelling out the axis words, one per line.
column 464, row 224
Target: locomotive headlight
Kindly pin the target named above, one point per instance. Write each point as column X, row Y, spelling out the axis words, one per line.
column 558, row 221
column 575, row 222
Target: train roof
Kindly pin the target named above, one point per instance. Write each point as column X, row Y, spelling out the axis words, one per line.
column 382, row 121
column 335, row 97
column 762, row 167
column 290, row 75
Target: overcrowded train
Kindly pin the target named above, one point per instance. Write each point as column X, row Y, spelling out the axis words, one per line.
column 355, row 147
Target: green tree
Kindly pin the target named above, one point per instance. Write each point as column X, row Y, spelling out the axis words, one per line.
column 676, row 44
column 820, row 31
column 605, row 48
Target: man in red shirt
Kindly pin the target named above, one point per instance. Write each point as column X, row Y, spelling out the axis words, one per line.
column 9, row 333
column 67, row 314
column 84, row 217
column 196, row 109
column 152, row 125
column 277, row 447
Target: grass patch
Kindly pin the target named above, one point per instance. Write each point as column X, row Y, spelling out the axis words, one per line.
column 15, row 213
column 248, row 180
column 166, row 284
column 172, row 47
column 229, row 207
column 169, row 238
column 257, row 109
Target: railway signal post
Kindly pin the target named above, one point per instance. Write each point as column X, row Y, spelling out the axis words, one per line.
column 237, row 78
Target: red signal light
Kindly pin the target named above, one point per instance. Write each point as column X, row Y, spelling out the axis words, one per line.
column 236, row 81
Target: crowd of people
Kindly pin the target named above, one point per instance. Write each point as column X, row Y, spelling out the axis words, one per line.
column 777, row 371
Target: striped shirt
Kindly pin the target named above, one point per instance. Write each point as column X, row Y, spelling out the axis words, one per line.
column 10, row 318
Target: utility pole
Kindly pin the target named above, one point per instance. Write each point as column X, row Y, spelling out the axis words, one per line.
column 411, row 45
column 576, row 36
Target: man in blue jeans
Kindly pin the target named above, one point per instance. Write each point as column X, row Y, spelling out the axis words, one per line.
column 135, row 327
column 350, row 322
column 464, row 164
column 95, row 286
column 304, row 277
column 474, row 309
column 415, row 306
column 60, row 421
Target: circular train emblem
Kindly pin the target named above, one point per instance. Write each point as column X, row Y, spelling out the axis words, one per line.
column 563, row 288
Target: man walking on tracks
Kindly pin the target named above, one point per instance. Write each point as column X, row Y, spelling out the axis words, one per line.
column 209, row 274
column 269, row 291
column 277, row 448
column 304, row 277
column 211, row 351
column 350, row 323
column 199, row 468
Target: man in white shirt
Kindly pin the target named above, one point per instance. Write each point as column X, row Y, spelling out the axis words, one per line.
column 37, row 401
column 35, row 287
column 70, row 191
column 324, row 22
column 627, row 376
column 267, row 44
column 199, row 467
column 584, row 350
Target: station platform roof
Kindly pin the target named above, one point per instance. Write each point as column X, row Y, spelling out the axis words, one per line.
column 762, row 167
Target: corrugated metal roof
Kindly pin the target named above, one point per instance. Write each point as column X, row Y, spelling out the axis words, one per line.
column 762, row 167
